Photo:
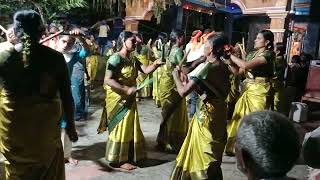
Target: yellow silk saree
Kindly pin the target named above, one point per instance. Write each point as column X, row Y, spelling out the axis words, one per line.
column 203, row 147
column 146, row 90
column 256, row 97
column 256, row 94
column 30, row 122
column 126, row 142
column 174, row 125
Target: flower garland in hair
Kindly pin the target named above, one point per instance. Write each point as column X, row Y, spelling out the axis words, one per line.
column 26, row 40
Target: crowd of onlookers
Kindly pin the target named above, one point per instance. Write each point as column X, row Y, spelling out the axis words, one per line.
column 297, row 73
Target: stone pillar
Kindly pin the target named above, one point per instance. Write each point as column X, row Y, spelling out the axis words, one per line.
column 277, row 25
column 131, row 25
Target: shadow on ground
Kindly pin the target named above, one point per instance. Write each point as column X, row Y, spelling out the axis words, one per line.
column 92, row 152
column 152, row 162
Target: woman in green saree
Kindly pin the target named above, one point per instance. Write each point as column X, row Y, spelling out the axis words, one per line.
column 174, row 125
column 201, row 153
column 256, row 95
column 125, row 145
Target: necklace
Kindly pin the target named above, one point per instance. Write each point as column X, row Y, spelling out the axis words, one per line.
column 258, row 52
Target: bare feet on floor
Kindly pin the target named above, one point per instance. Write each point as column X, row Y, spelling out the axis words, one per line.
column 128, row 167
column 71, row 161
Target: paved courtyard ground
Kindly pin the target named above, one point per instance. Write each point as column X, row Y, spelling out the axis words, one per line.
column 90, row 150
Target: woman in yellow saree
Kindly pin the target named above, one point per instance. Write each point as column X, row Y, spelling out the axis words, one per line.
column 174, row 125
column 159, row 49
column 156, row 78
column 34, row 92
column 142, row 53
column 201, row 153
column 256, row 95
column 93, row 60
column 125, row 145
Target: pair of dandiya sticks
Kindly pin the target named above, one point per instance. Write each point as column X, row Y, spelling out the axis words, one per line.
column 61, row 32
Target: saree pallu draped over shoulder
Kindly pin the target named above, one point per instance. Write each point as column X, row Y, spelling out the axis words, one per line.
column 126, row 142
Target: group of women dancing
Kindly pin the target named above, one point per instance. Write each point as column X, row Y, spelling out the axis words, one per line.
column 35, row 86
column 201, row 143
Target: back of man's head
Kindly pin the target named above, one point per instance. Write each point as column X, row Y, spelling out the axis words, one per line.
column 268, row 144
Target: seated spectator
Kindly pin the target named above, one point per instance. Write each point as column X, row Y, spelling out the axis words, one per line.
column 267, row 146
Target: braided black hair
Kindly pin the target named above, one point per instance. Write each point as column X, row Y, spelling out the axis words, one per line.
column 28, row 29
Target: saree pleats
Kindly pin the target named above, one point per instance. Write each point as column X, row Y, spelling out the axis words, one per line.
column 126, row 141
column 255, row 97
column 174, row 125
column 31, row 144
column 201, row 153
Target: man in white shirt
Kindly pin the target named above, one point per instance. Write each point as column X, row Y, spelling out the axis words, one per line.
column 193, row 55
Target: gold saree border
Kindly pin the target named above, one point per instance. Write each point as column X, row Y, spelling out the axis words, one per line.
column 119, row 152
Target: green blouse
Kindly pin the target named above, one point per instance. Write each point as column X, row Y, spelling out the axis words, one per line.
column 205, row 76
column 265, row 70
column 175, row 56
column 125, row 70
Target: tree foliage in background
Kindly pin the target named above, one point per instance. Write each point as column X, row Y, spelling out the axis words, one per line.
column 48, row 9
column 104, row 6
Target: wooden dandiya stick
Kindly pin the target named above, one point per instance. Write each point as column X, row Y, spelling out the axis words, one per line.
column 182, row 77
column 241, row 48
column 243, row 45
column 51, row 36
column 3, row 29
column 184, row 58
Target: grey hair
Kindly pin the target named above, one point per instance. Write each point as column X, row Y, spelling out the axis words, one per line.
column 270, row 143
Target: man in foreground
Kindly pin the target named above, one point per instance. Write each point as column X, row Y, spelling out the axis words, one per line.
column 267, row 146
